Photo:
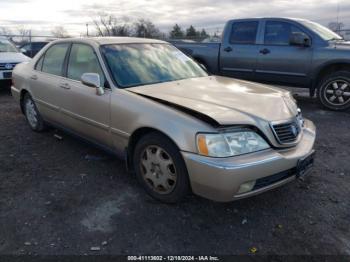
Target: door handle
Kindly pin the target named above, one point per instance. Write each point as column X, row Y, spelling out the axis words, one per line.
column 65, row 86
column 264, row 51
column 228, row 49
column 34, row 77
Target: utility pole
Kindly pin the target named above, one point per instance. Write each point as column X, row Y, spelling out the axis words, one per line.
column 87, row 29
column 338, row 26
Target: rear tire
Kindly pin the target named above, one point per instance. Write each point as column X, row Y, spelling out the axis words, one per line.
column 32, row 114
column 333, row 91
column 160, row 168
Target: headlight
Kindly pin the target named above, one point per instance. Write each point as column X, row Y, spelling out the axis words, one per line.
column 230, row 144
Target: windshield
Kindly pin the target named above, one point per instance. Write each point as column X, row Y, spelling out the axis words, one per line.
column 7, row 46
column 323, row 32
column 142, row 64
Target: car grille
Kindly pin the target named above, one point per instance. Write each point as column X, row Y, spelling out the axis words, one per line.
column 3, row 66
column 287, row 133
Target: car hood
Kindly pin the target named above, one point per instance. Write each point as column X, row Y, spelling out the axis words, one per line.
column 12, row 57
column 226, row 100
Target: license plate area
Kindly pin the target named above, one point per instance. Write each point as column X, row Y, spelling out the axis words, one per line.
column 305, row 164
column 7, row 75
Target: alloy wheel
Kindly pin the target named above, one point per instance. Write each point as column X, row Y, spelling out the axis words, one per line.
column 31, row 113
column 158, row 169
column 337, row 92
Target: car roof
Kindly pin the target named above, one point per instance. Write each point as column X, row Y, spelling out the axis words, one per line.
column 113, row 40
column 273, row 18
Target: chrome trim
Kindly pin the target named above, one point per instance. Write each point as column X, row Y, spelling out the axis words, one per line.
column 279, row 73
column 290, row 121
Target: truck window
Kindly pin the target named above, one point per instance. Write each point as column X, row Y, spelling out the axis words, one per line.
column 244, row 32
column 278, row 33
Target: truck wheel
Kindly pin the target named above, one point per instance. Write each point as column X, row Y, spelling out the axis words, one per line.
column 160, row 169
column 334, row 91
column 32, row 114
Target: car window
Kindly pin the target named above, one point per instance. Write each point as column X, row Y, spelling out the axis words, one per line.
column 82, row 60
column 279, row 33
column 144, row 64
column 244, row 32
column 54, row 59
column 26, row 47
column 7, row 46
column 38, row 46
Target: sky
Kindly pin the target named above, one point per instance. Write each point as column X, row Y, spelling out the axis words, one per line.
column 43, row 15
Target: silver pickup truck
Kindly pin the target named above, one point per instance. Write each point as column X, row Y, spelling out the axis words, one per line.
column 292, row 52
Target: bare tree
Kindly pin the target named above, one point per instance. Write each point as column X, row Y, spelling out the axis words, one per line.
column 23, row 34
column 5, row 31
column 109, row 25
column 336, row 26
column 60, row 32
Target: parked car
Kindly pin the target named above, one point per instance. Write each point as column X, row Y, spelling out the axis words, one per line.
column 178, row 128
column 9, row 58
column 31, row 49
column 283, row 51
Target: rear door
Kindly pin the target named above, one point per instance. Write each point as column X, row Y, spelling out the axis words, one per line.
column 280, row 62
column 239, row 49
column 83, row 110
column 45, row 81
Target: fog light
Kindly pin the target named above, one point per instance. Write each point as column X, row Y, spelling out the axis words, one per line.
column 246, row 187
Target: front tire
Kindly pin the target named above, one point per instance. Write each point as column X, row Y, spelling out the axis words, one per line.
column 160, row 168
column 334, row 91
column 32, row 114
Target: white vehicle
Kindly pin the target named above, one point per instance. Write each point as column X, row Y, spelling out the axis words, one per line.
column 10, row 56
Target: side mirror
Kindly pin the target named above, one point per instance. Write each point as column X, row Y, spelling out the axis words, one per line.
column 299, row 39
column 93, row 80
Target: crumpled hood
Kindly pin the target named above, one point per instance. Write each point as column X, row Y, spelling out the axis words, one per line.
column 12, row 57
column 226, row 100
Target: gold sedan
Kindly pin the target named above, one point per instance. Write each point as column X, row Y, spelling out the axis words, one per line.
column 179, row 129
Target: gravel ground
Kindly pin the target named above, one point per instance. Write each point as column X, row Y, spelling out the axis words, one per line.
column 66, row 197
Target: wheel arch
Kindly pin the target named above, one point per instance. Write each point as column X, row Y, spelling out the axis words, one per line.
column 136, row 136
column 328, row 68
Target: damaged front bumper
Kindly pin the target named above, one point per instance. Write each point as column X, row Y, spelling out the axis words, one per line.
column 222, row 179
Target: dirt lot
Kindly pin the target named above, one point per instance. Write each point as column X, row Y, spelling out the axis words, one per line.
column 66, row 197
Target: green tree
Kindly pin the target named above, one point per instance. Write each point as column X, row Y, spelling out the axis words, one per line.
column 191, row 32
column 145, row 28
column 203, row 34
column 176, row 32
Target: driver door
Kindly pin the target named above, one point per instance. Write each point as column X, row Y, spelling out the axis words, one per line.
column 83, row 110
